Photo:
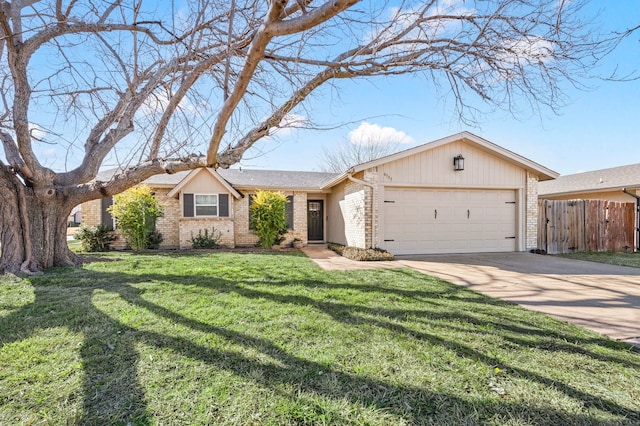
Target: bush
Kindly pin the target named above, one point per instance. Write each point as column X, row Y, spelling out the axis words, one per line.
column 268, row 217
column 154, row 239
column 94, row 238
column 206, row 240
column 338, row 248
column 135, row 211
column 360, row 254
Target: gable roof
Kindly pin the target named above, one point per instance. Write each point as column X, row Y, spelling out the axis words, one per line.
column 542, row 172
column 614, row 178
column 275, row 179
column 176, row 189
column 241, row 179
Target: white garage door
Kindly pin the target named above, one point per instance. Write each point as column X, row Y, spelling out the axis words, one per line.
column 422, row 221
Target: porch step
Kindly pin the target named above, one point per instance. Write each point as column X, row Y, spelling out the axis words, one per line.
column 318, row 244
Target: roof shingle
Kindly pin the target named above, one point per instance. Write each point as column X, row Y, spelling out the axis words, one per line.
column 260, row 179
column 597, row 180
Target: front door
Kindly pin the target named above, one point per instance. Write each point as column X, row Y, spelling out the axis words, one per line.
column 315, row 224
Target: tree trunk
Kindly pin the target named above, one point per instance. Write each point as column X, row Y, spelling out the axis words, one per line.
column 33, row 223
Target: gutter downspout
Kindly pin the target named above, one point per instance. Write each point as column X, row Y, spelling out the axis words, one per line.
column 637, row 216
column 373, row 203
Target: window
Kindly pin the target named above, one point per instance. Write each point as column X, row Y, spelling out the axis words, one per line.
column 105, row 216
column 206, row 204
column 288, row 211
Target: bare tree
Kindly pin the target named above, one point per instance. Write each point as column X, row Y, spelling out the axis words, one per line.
column 146, row 87
column 348, row 154
column 367, row 142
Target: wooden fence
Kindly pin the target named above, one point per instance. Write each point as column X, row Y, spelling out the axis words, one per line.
column 567, row 226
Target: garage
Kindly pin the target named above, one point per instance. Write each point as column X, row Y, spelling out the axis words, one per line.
column 426, row 221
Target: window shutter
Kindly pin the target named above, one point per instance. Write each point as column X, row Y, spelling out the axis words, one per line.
column 187, row 205
column 250, row 212
column 223, row 205
column 105, row 216
column 288, row 211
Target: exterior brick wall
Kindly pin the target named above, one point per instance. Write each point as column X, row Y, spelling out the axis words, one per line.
column 355, row 202
column 299, row 218
column 168, row 224
column 531, row 239
column 189, row 227
column 91, row 215
column 372, row 210
column 245, row 237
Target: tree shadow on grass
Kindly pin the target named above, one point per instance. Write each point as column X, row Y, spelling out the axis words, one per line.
column 112, row 393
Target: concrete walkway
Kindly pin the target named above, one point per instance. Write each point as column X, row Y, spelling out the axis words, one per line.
column 331, row 261
column 600, row 297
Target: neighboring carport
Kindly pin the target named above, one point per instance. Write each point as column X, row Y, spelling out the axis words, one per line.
column 604, row 298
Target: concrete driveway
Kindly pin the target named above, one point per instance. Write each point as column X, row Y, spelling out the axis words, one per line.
column 603, row 298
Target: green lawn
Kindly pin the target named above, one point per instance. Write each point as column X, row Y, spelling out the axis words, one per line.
column 622, row 259
column 271, row 339
column 74, row 245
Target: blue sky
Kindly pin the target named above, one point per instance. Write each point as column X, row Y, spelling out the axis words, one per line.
column 599, row 128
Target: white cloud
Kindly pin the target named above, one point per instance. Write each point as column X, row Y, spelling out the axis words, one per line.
column 157, row 103
column 37, row 132
column 50, row 153
column 373, row 134
column 528, row 49
column 288, row 124
column 399, row 20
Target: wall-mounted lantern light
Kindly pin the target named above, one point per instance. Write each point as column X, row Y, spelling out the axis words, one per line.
column 458, row 162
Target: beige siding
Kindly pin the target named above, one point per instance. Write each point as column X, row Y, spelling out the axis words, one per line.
column 204, row 183
column 336, row 219
column 434, row 168
column 483, row 169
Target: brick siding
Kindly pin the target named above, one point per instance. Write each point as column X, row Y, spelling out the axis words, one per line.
column 531, row 239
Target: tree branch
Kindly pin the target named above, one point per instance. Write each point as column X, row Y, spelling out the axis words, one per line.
column 253, row 56
column 311, row 19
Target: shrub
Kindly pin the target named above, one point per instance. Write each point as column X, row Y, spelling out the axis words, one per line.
column 154, row 239
column 338, row 248
column 206, row 240
column 268, row 218
column 94, row 238
column 360, row 254
column 135, row 212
